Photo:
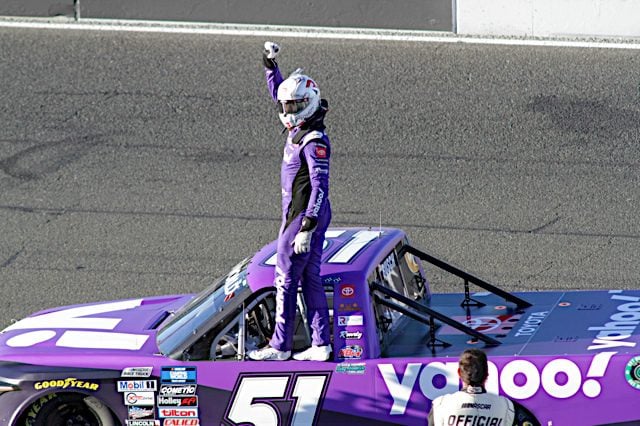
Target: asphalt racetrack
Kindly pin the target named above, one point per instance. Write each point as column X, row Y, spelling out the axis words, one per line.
column 143, row 164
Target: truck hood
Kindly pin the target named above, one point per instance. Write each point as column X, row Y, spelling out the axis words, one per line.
column 122, row 327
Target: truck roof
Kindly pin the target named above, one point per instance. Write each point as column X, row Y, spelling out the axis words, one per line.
column 350, row 252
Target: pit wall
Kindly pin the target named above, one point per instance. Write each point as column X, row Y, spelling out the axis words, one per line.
column 517, row 18
column 549, row 18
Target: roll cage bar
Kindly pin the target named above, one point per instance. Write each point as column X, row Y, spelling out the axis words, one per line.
column 426, row 315
column 468, row 278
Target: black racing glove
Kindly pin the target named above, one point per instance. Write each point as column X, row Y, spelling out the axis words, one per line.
column 269, row 54
column 308, row 223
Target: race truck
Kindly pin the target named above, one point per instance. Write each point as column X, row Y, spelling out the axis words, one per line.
column 568, row 357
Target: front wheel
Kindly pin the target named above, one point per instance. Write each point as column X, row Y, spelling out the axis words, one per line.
column 69, row 410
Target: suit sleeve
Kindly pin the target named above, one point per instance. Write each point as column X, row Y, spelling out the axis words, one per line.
column 317, row 153
column 274, row 79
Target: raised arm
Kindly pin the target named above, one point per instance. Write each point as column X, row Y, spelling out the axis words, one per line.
column 272, row 72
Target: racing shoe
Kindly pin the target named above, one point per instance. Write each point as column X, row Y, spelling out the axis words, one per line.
column 269, row 354
column 314, row 353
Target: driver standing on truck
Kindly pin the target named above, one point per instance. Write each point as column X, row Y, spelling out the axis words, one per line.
column 306, row 212
column 472, row 405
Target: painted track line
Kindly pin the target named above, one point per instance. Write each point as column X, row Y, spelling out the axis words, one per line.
column 306, row 32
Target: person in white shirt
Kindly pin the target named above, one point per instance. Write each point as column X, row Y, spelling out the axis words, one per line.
column 472, row 405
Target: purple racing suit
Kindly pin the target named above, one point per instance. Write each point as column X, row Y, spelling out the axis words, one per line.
column 304, row 180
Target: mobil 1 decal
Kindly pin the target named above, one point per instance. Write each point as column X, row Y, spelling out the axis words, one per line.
column 277, row 399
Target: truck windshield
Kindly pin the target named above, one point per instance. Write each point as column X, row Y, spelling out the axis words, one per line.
column 196, row 315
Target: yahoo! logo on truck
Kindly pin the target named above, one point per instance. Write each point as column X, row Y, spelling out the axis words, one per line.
column 621, row 326
column 519, row 379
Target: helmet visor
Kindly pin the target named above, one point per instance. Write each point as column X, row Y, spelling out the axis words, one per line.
column 293, row 106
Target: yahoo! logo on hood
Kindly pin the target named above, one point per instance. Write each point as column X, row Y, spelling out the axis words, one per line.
column 622, row 325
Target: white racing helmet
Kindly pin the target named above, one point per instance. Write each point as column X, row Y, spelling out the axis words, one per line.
column 298, row 98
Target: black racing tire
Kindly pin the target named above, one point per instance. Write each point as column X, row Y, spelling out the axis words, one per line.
column 71, row 409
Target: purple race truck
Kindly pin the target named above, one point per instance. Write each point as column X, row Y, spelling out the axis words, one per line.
column 569, row 357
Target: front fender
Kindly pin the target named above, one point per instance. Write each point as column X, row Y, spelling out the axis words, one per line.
column 36, row 384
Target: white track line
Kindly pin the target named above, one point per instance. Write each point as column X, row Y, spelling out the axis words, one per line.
column 304, row 32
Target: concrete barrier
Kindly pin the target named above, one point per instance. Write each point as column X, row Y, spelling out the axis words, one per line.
column 549, row 18
column 427, row 15
column 516, row 18
column 37, row 8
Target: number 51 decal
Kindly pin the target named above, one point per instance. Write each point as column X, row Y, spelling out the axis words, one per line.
column 278, row 399
column 347, row 252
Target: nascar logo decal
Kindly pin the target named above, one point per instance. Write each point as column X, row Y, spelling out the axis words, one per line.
column 178, row 375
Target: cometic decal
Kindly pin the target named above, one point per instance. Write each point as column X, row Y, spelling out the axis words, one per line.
column 177, row 390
